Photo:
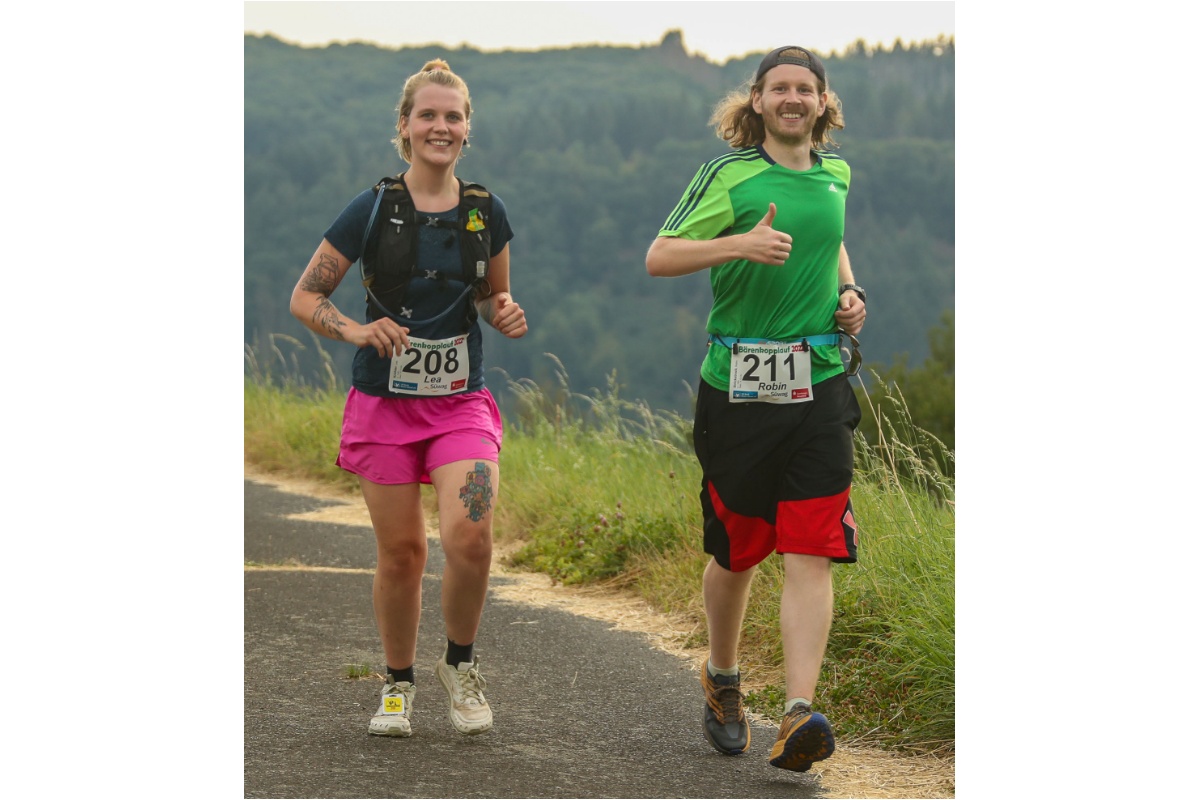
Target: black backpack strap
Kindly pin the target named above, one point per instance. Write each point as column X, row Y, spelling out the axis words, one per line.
column 389, row 252
column 475, row 219
column 371, row 219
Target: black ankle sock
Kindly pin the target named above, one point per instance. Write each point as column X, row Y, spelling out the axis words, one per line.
column 399, row 675
column 458, row 653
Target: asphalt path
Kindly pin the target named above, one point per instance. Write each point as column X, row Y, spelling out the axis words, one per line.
column 581, row 710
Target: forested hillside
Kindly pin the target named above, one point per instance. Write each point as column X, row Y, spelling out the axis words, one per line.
column 590, row 148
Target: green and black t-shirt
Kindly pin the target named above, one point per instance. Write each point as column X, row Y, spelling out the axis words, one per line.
column 730, row 195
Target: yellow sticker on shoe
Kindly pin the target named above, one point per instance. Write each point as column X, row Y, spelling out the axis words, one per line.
column 393, row 704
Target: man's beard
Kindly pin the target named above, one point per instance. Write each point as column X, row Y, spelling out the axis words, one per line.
column 786, row 138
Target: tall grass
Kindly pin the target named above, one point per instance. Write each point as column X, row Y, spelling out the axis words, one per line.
column 592, row 482
column 894, row 610
column 292, row 425
column 596, row 487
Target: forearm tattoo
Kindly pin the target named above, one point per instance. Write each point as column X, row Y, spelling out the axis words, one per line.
column 322, row 278
column 328, row 319
column 476, row 493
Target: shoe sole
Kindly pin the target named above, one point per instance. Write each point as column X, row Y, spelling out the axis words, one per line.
column 805, row 745
column 381, row 730
column 465, row 728
column 724, row 751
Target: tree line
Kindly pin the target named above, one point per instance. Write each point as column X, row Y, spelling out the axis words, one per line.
column 590, row 148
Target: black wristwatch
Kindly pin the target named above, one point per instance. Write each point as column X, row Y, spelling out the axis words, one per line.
column 853, row 287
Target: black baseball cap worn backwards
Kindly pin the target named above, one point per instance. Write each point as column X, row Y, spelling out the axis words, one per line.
column 791, row 54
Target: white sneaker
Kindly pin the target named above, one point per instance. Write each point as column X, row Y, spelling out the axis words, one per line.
column 394, row 707
column 469, row 711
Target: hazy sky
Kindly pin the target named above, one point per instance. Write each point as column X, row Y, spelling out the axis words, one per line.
column 718, row 29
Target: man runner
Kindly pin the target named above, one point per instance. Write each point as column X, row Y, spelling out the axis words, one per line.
column 775, row 413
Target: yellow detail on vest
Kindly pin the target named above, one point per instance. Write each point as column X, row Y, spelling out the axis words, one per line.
column 474, row 221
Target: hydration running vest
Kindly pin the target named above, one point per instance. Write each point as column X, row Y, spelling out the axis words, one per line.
column 389, row 252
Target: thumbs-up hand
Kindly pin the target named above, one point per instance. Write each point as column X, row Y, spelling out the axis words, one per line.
column 765, row 245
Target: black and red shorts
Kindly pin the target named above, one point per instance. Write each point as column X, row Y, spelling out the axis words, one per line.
column 776, row 477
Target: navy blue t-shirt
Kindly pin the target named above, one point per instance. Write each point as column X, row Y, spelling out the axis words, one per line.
column 437, row 249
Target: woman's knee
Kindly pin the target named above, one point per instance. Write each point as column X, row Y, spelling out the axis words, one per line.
column 403, row 559
column 468, row 542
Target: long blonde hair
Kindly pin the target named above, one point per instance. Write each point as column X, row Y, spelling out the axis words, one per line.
column 437, row 72
column 736, row 121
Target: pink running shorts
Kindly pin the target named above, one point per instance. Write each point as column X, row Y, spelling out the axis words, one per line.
column 392, row 440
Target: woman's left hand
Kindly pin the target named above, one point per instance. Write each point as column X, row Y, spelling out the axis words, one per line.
column 507, row 316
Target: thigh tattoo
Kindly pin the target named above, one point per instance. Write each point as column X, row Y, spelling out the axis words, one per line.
column 476, row 493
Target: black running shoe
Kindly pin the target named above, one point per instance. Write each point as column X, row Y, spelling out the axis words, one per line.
column 804, row 737
column 725, row 724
